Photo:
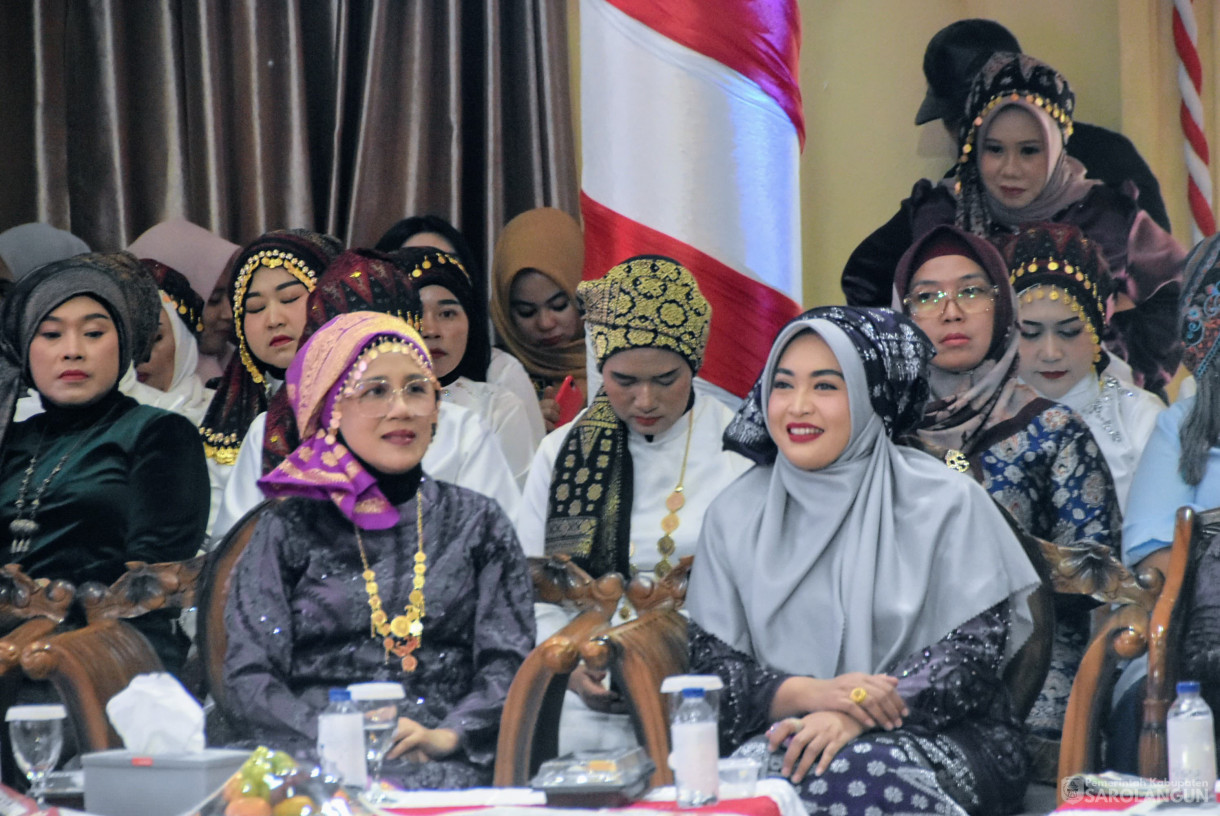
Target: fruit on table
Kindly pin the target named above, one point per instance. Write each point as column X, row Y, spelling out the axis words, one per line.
column 266, row 785
column 248, row 806
column 295, row 806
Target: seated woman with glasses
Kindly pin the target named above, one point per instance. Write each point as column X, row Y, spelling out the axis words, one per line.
column 372, row 570
column 1013, row 169
column 1036, row 458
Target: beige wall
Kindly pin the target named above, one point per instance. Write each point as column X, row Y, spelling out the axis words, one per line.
column 861, row 82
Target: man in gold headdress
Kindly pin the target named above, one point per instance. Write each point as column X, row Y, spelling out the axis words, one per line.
column 624, row 487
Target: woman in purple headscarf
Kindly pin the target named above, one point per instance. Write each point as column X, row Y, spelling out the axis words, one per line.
column 373, row 571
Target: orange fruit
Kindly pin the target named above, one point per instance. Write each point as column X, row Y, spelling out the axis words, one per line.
column 232, row 788
column 248, row 806
column 295, row 806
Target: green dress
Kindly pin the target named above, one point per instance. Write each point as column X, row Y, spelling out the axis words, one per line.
column 132, row 486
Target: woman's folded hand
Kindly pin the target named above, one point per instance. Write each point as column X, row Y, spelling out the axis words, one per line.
column 421, row 744
column 870, row 699
column 816, row 737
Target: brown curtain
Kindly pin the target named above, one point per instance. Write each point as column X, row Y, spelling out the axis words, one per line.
column 249, row 115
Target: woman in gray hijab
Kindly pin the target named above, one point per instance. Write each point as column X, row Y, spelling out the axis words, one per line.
column 841, row 595
column 26, row 247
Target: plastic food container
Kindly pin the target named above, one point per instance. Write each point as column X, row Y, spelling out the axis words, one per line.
column 595, row 779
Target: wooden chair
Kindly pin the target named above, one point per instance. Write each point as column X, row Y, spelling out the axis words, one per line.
column 1151, row 623
column 211, row 638
column 87, row 667
column 639, row 655
column 529, row 724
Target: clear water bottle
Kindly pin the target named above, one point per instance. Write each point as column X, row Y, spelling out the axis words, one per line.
column 341, row 740
column 696, row 750
column 1192, row 746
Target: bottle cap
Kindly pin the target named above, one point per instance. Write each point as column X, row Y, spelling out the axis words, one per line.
column 21, row 713
column 340, row 695
column 692, row 692
column 1188, row 687
column 676, row 682
column 363, row 692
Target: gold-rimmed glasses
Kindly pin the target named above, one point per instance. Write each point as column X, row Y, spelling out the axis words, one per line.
column 970, row 299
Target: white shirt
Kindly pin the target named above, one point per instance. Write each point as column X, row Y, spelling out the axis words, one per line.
column 656, row 467
column 502, row 411
column 1121, row 417
column 506, row 370
column 463, row 451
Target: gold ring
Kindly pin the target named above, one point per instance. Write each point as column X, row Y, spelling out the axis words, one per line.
column 858, row 695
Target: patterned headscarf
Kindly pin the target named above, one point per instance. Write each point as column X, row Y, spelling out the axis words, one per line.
column 1056, row 260
column 187, row 303
column 550, row 242
column 35, row 296
column 143, row 299
column 895, row 354
column 242, row 393
column 1201, row 306
column 321, row 374
column 647, row 302
column 448, row 271
column 359, row 280
column 1017, row 79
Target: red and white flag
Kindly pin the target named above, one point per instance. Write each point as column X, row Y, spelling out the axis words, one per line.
column 691, row 132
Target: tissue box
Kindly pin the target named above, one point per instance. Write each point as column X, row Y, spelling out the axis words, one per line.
column 122, row 783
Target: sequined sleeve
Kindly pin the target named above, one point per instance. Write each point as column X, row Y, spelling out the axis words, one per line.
column 503, row 631
column 959, row 675
column 749, row 687
column 258, row 619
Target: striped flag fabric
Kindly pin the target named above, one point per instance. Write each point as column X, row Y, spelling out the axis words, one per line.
column 691, row 132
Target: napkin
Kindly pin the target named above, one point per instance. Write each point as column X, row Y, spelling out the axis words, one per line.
column 156, row 715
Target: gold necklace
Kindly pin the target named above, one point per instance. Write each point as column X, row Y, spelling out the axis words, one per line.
column 400, row 635
column 675, row 502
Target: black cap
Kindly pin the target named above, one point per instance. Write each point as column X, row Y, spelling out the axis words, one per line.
column 953, row 56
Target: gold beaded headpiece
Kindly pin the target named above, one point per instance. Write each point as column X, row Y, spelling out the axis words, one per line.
column 271, row 259
column 647, row 302
column 380, row 346
column 1056, row 262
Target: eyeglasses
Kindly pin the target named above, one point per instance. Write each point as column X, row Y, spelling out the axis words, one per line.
column 373, row 399
column 970, row 299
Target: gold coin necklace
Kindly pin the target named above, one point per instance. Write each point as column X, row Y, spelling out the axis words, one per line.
column 401, row 635
column 673, row 503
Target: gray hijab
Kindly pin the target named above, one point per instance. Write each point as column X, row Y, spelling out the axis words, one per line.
column 26, row 247
column 857, row 565
column 33, row 298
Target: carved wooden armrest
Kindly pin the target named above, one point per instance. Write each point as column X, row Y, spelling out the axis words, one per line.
column 143, row 588
column 669, row 592
column 1089, row 568
column 23, row 598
